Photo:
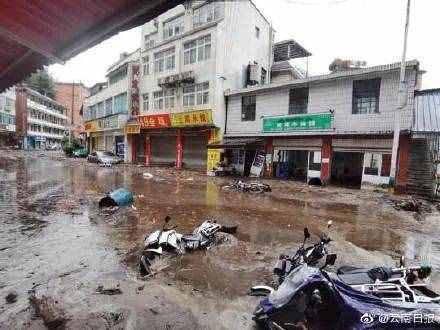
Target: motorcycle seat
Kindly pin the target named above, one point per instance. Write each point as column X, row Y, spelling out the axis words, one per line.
column 357, row 276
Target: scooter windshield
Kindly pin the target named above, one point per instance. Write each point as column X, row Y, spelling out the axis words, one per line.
column 296, row 280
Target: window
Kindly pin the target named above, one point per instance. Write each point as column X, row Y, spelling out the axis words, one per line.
column 372, row 163
column 315, row 160
column 298, row 100
column 366, row 96
column 197, row 94
column 257, row 32
column 108, row 106
column 263, row 76
column 120, row 105
column 101, row 110
column 118, row 75
column 146, row 65
column 207, row 13
column 173, row 27
column 149, row 41
column 197, row 50
column 7, row 119
column 9, row 104
column 163, row 99
column 248, row 105
column 164, row 60
column 145, row 104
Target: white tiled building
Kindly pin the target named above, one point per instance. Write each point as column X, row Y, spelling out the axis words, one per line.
column 337, row 127
column 46, row 121
column 106, row 110
column 189, row 57
column 7, row 117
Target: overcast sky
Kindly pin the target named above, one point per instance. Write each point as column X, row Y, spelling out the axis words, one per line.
column 369, row 30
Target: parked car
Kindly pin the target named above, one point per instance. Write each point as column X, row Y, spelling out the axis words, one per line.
column 80, row 153
column 103, row 157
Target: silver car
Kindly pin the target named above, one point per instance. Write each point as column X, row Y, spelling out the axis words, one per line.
column 103, row 157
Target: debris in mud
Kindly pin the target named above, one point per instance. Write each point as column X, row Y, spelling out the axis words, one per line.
column 48, row 310
column 315, row 182
column 411, row 205
column 109, row 289
column 118, row 197
column 11, row 297
column 255, row 187
column 147, row 175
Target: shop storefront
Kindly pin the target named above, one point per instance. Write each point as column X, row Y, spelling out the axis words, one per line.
column 106, row 134
column 178, row 139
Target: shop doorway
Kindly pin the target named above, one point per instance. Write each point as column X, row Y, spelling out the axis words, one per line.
column 347, row 169
column 292, row 164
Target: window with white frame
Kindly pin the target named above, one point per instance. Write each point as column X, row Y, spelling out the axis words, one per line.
column 173, row 28
column 197, row 94
column 207, row 13
column 149, row 41
column 145, row 102
column 257, row 32
column 164, row 99
column 164, row 60
column 146, row 65
column 197, row 50
column 108, row 106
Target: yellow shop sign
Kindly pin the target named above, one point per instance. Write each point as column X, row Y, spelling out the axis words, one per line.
column 90, row 127
column 132, row 129
column 192, row 118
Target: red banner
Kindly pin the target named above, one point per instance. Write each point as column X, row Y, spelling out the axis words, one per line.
column 135, row 90
column 155, row 121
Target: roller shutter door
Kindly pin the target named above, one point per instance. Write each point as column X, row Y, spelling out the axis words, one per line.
column 195, row 152
column 163, row 149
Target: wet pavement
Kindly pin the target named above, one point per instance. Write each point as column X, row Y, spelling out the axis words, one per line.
column 55, row 242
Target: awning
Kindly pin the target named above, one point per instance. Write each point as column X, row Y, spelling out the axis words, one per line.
column 242, row 143
column 37, row 33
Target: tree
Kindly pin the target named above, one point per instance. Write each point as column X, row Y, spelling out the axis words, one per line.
column 42, row 82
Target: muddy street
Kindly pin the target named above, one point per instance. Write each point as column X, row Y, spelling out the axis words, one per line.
column 55, row 242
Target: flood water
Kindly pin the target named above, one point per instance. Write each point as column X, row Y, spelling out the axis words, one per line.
column 55, row 240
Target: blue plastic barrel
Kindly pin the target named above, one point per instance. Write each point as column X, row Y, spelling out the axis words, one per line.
column 118, row 197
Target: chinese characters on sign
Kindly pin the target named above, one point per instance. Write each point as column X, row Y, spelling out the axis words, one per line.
column 155, row 121
column 132, row 129
column 193, row 118
column 319, row 121
column 134, row 94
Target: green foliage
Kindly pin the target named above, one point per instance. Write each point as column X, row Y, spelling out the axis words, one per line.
column 42, row 82
column 69, row 148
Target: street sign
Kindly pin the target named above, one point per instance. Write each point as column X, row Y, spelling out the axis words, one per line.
column 318, row 121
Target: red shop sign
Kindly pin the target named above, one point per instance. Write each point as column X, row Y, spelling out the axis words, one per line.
column 155, row 121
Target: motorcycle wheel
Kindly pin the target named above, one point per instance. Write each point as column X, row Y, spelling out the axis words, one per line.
column 144, row 266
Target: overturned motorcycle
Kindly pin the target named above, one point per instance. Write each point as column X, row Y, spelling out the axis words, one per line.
column 353, row 298
column 168, row 241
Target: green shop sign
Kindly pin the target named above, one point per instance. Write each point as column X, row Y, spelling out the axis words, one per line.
column 319, row 121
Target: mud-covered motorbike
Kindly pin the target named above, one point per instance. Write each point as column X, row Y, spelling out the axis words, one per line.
column 168, row 241
column 254, row 187
column 310, row 255
column 351, row 298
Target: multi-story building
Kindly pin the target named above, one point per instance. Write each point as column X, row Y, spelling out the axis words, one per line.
column 41, row 121
column 106, row 110
column 189, row 56
column 72, row 96
column 337, row 127
column 7, row 118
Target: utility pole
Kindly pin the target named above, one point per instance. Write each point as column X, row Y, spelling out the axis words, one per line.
column 402, row 100
column 71, row 113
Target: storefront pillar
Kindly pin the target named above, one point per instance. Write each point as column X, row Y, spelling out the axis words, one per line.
column 133, row 149
column 179, row 149
column 269, row 154
column 326, row 158
column 147, row 151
